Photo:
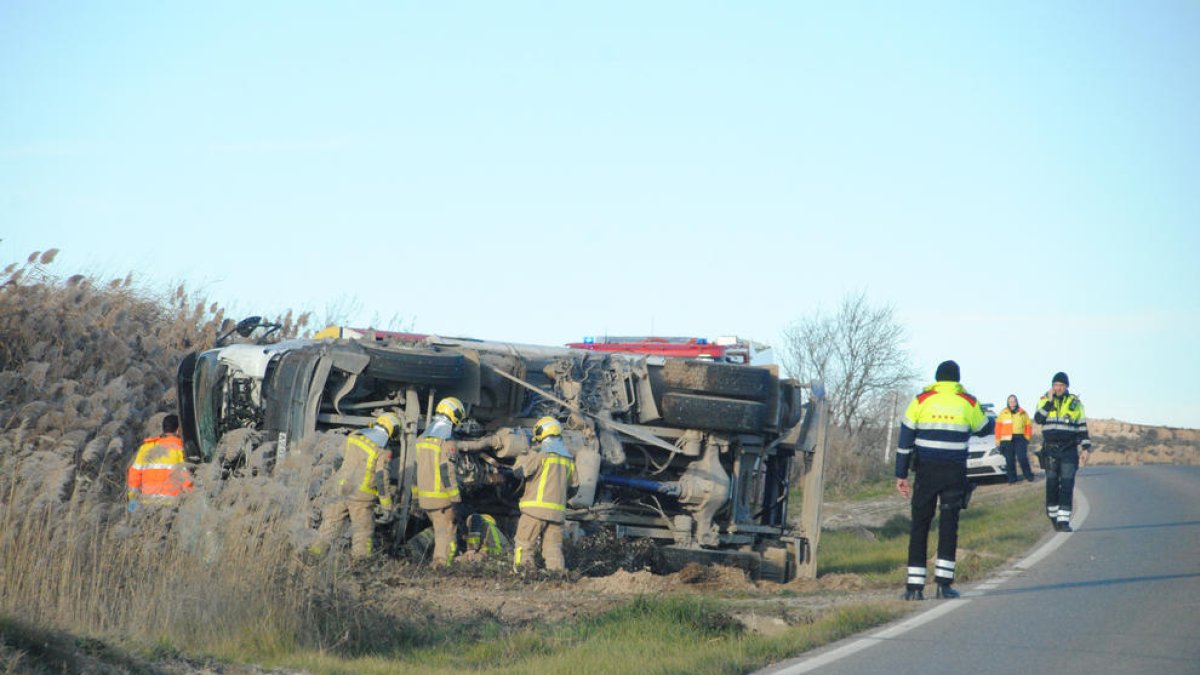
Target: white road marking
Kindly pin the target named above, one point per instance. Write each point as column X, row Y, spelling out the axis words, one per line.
column 942, row 608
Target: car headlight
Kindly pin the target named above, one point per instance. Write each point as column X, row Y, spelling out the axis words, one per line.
column 994, row 451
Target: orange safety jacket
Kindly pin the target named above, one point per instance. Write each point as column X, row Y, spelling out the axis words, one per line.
column 158, row 473
column 1009, row 424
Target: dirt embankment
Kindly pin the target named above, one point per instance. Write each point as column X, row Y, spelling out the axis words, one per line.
column 1117, row 442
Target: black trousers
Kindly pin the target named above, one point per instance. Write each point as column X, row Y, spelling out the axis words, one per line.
column 943, row 483
column 1016, row 451
column 1061, row 463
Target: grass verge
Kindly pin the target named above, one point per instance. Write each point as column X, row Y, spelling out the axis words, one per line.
column 989, row 533
column 670, row 634
column 25, row 648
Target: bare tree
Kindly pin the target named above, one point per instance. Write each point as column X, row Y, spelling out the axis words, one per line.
column 858, row 353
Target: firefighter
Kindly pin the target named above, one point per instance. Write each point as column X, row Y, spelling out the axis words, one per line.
column 1013, row 430
column 362, row 483
column 484, row 538
column 158, row 475
column 937, row 425
column 1065, row 447
column 437, row 481
column 549, row 473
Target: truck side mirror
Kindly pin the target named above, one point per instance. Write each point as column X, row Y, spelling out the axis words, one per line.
column 247, row 325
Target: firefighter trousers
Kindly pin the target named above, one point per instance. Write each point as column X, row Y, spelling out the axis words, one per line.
column 445, row 534
column 362, row 526
column 528, row 531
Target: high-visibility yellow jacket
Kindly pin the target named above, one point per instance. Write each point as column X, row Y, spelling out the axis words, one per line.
column 937, row 424
column 483, row 535
column 548, row 477
column 1009, row 424
column 1063, row 421
column 158, row 473
column 437, row 481
column 364, row 472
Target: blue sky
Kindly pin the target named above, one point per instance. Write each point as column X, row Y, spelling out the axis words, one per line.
column 1020, row 180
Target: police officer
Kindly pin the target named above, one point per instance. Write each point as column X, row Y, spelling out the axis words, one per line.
column 933, row 436
column 437, row 479
column 1065, row 446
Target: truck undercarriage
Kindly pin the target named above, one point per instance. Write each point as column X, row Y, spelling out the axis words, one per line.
column 698, row 456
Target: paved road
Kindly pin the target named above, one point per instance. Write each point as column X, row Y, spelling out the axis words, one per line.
column 1119, row 595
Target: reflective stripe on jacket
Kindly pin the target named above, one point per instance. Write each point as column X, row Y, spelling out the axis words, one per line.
column 364, row 472
column 483, row 535
column 548, row 476
column 437, row 481
column 158, row 472
column 1009, row 424
column 1063, row 421
column 937, row 424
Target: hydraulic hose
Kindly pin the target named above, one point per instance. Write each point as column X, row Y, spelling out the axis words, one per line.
column 670, row 489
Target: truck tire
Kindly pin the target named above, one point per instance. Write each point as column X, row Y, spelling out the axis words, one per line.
column 692, row 411
column 414, row 367
column 791, row 409
column 716, row 379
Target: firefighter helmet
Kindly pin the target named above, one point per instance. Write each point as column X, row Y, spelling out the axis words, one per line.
column 389, row 422
column 545, row 428
column 453, row 409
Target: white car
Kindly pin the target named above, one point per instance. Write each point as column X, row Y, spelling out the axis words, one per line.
column 984, row 459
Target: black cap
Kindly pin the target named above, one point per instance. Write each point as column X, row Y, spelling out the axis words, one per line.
column 947, row 371
column 1061, row 377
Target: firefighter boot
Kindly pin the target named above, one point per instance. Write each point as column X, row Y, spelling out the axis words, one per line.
column 913, row 594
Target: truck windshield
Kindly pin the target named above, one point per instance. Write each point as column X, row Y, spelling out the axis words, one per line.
column 207, row 387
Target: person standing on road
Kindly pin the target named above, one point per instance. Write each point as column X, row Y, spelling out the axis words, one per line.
column 549, row 473
column 1065, row 447
column 158, row 475
column 1013, row 430
column 437, row 478
column 933, row 437
column 362, row 481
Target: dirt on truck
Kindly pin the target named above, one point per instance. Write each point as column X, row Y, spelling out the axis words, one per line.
column 693, row 454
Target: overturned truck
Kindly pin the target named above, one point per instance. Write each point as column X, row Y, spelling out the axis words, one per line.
column 697, row 455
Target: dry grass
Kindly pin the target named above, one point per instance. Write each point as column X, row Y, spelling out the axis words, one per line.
column 86, row 371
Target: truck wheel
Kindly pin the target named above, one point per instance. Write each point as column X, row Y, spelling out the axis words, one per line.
column 692, row 411
column 414, row 367
column 791, row 405
column 716, row 379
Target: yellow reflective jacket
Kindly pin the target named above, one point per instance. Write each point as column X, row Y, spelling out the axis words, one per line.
column 1063, row 421
column 437, row 481
column 937, row 425
column 364, row 472
column 548, row 476
column 483, row 535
